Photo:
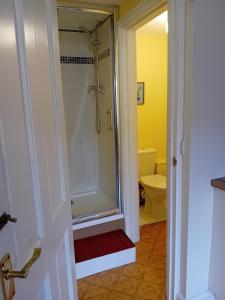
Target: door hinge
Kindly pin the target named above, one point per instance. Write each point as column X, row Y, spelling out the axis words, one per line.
column 174, row 161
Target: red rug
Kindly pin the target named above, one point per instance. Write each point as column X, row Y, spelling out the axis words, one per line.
column 101, row 244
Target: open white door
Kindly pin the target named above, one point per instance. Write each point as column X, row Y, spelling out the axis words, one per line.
column 33, row 173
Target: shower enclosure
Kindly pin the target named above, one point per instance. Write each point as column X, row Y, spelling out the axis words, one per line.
column 87, row 54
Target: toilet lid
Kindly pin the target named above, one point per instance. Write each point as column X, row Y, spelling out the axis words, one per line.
column 154, row 181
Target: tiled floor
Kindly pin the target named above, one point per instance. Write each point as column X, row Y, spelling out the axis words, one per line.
column 143, row 280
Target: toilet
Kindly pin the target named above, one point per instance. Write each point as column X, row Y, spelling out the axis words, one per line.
column 152, row 177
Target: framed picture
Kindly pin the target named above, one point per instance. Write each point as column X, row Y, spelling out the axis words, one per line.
column 140, row 93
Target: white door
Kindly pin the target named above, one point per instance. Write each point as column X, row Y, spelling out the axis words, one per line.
column 33, row 172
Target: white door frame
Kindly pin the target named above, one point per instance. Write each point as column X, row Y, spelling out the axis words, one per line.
column 142, row 13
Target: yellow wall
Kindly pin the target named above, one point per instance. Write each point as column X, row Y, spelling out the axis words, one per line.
column 152, row 70
column 126, row 6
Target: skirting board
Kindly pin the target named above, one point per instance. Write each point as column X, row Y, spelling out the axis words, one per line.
column 106, row 262
column 208, row 295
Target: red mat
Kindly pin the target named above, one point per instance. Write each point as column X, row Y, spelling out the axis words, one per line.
column 101, row 244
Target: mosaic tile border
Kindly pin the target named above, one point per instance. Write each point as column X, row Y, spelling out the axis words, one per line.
column 70, row 30
column 77, row 60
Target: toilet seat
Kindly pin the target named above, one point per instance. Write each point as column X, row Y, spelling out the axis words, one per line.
column 156, row 182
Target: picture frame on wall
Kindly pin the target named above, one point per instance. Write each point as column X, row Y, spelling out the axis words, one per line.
column 140, row 93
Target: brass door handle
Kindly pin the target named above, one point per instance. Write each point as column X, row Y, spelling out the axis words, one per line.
column 5, row 218
column 23, row 273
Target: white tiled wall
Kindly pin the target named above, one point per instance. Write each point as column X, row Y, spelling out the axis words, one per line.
column 79, row 114
column 75, row 44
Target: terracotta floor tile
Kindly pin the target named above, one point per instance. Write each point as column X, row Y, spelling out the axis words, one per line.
column 157, row 261
column 127, row 285
column 151, row 298
column 141, row 258
column 148, row 291
column 160, row 244
column 149, row 237
column 96, row 293
column 115, row 270
column 144, row 247
column 156, row 227
column 104, row 279
column 135, row 270
column 82, row 288
column 119, row 296
column 155, row 276
column 159, row 251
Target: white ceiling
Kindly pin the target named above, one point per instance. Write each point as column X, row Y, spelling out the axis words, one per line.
column 155, row 26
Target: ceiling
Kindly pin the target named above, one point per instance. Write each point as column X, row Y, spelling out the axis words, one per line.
column 156, row 26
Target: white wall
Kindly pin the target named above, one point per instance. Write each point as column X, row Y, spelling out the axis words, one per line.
column 217, row 265
column 204, row 129
column 79, row 109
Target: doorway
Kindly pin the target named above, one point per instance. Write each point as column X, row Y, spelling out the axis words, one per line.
column 151, row 61
column 140, row 15
column 146, row 278
column 151, row 68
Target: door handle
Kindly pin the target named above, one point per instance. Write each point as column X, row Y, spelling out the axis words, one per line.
column 23, row 273
column 4, row 219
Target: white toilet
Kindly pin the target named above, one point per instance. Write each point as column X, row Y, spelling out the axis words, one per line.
column 152, row 176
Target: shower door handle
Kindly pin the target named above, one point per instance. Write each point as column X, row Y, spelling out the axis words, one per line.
column 110, row 119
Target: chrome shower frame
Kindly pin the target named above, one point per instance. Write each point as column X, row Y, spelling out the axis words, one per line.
column 119, row 205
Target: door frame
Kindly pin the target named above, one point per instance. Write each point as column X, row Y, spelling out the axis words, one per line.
column 127, row 25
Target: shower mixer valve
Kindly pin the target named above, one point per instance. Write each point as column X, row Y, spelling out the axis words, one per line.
column 91, row 88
